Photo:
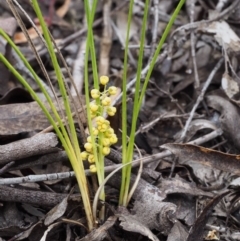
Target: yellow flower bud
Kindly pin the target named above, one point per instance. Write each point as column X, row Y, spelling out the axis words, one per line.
column 88, row 146
column 93, row 107
column 93, row 168
column 112, row 90
column 105, row 150
column 102, row 127
column 95, row 93
column 105, row 142
column 95, row 131
column 107, row 122
column 104, row 80
column 111, row 110
column 84, row 155
column 109, row 132
column 93, row 114
column 106, row 101
column 100, row 120
column 89, row 139
column 113, row 139
column 91, row 158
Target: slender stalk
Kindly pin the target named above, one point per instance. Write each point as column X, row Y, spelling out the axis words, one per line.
column 127, row 151
column 98, row 156
column 124, row 106
column 135, row 105
column 90, row 17
column 76, row 160
column 159, row 47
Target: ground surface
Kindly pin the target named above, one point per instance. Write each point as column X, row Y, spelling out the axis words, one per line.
column 186, row 191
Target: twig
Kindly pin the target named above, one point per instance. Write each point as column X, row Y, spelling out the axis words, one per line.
column 200, row 98
column 155, row 26
column 143, row 72
column 6, row 167
column 36, row 145
column 106, row 40
column 221, row 4
column 191, row 26
column 77, row 34
column 193, row 42
column 78, row 66
column 146, row 160
column 9, row 194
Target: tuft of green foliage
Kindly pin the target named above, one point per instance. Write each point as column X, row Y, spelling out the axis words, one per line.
column 98, row 144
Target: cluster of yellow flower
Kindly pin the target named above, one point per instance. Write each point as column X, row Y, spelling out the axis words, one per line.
column 101, row 103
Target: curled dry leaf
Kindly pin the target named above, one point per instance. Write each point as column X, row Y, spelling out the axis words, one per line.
column 205, row 156
column 131, row 224
column 56, row 212
column 178, row 232
column 231, row 88
column 230, row 115
column 197, row 230
column 121, row 23
column 195, row 126
column 9, row 25
column 101, row 232
column 223, row 34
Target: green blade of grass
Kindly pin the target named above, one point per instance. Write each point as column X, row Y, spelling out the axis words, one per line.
column 124, row 106
column 135, row 105
column 159, row 47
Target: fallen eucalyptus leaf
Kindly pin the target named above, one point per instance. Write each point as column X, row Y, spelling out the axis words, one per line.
column 205, row 156
column 131, row 224
column 230, row 116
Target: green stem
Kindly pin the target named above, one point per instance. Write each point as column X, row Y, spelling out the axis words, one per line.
column 136, row 100
column 77, row 161
column 159, row 47
column 124, row 106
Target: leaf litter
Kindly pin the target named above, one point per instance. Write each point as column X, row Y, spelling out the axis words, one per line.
column 188, row 192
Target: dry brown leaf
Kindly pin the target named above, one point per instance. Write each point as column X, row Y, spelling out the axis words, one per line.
column 56, row 212
column 63, row 9
column 230, row 116
column 9, row 25
column 223, row 34
column 131, row 224
column 18, row 118
column 231, row 88
column 197, row 231
column 19, row 37
column 121, row 22
column 205, row 156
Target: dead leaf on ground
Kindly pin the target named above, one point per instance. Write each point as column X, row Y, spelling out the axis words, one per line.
column 131, row 224
column 56, row 212
column 231, row 88
column 223, row 34
column 230, row 116
column 101, row 232
column 197, row 231
column 26, row 117
column 205, row 156
column 178, row 232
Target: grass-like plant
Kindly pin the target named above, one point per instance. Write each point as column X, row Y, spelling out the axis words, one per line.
column 128, row 145
column 66, row 133
column 101, row 134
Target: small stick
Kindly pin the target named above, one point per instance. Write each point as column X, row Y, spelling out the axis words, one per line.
column 200, row 98
column 146, row 160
